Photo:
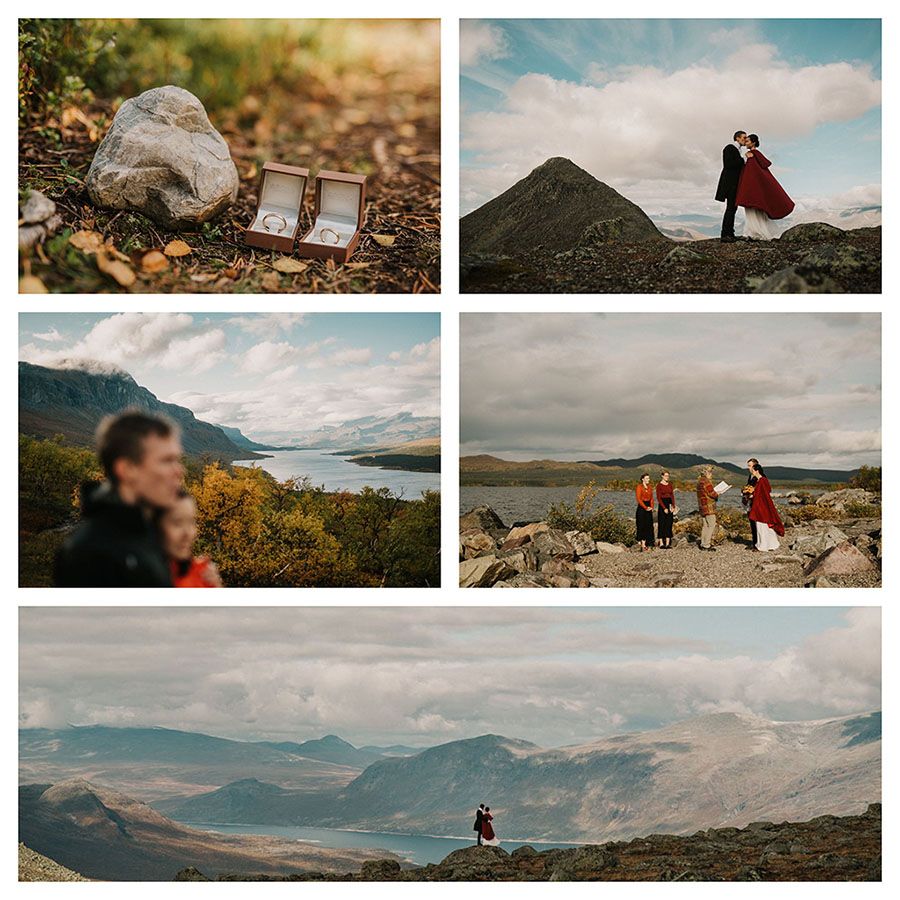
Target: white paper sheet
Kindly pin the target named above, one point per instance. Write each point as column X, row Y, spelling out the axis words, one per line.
column 721, row 487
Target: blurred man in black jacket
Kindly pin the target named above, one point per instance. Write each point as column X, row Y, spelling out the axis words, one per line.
column 726, row 192
column 117, row 544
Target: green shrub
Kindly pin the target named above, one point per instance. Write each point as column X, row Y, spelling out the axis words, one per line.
column 862, row 511
column 602, row 523
column 868, row 478
column 733, row 524
column 57, row 59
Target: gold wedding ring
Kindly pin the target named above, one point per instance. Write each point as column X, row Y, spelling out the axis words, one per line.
column 276, row 216
column 337, row 236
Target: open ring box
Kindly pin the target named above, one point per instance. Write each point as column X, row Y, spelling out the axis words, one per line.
column 281, row 192
column 340, row 208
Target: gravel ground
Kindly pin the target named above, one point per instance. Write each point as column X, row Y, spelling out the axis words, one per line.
column 34, row 867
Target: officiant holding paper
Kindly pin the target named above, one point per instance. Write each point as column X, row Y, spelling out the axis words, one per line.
column 707, row 497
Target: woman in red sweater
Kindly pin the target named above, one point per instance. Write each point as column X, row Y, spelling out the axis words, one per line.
column 643, row 517
column 178, row 531
column 665, row 517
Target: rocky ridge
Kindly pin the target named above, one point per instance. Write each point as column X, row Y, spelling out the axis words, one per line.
column 825, row 848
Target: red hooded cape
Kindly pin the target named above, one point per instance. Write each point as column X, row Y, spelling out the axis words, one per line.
column 763, row 508
column 759, row 189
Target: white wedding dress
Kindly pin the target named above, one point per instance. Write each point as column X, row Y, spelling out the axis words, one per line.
column 766, row 538
column 758, row 226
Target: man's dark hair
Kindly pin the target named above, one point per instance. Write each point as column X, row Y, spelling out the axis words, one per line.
column 754, row 138
column 122, row 436
column 481, row 806
column 737, row 134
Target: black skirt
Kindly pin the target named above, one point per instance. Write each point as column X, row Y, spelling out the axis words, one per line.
column 643, row 525
column 664, row 524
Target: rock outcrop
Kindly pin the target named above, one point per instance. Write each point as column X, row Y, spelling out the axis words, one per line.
column 162, row 157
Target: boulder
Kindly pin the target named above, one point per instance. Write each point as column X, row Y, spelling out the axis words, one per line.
column 839, row 500
column 522, row 559
column 798, row 280
column 482, row 518
column 553, row 543
column 483, row 571
column 842, row 261
column 558, row 566
column 191, row 873
column 529, row 579
column 476, row 864
column 524, row 534
column 38, row 219
column 818, row 542
column 842, row 559
column 581, row 542
column 604, row 547
column 475, row 543
column 814, row 231
column 162, row 157
column 602, row 232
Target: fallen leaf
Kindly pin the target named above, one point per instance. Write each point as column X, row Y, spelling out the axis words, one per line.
column 31, row 284
column 386, row 240
column 87, row 241
column 116, row 270
column 358, row 265
column 177, row 248
column 230, row 272
column 289, row 265
column 251, row 173
column 154, row 261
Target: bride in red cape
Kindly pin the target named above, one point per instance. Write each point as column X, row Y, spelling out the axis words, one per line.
column 763, row 511
column 762, row 197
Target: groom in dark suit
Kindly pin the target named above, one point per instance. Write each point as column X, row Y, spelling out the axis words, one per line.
column 479, row 819
column 732, row 166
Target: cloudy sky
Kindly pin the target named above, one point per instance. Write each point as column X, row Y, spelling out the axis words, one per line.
column 273, row 375
column 646, row 105
column 428, row 675
column 788, row 388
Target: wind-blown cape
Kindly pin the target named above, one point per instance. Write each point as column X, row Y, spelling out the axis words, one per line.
column 758, row 188
column 763, row 508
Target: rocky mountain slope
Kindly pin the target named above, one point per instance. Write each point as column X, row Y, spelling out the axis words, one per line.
column 713, row 771
column 105, row 835
column 37, row 867
column 72, row 402
column 826, row 848
column 371, row 431
column 555, row 207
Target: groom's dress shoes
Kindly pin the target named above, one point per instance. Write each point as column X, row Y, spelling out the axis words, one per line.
column 728, row 240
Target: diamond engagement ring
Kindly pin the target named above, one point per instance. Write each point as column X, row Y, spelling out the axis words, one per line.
column 274, row 216
column 337, row 236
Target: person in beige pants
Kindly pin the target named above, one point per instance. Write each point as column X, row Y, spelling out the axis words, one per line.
column 706, row 500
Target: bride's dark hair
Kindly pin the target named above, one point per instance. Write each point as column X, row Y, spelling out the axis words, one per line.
column 754, row 138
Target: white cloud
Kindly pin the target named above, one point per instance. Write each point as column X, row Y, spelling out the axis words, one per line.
column 267, row 356
column 480, row 41
column 51, row 336
column 649, row 132
column 422, row 674
column 269, row 325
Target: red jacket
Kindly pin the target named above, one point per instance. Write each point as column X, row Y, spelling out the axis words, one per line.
column 192, row 576
column 644, row 497
column 758, row 188
column 763, row 508
column 706, row 496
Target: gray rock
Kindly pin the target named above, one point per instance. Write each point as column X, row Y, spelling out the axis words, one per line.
column 841, row 261
column 814, row 231
column 683, row 256
column 553, row 543
column 162, row 157
column 482, row 518
column 839, row 500
column 39, row 219
column 602, row 232
column 799, row 280
column 582, row 542
column 604, row 547
column 483, row 571
column 668, row 579
column 843, row 559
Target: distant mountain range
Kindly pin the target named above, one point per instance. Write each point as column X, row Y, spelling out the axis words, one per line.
column 106, row 835
column 72, row 402
column 716, row 770
column 371, row 431
column 488, row 469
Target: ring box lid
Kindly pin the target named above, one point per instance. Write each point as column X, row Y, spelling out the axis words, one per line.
column 341, row 196
column 282, row 187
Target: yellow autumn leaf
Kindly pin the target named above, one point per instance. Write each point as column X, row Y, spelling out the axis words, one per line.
column 154, row 261
column 289, row 266
column 386, row 240
column 116, row 269
column 177, row 248
column 31, row 284
column 87, row 241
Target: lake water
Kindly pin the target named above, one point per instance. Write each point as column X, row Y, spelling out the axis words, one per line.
column 520, row 504
column 416, row 848
column 337, row 474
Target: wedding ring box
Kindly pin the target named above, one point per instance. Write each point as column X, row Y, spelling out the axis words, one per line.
column 338, row 216
column 281, row 192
